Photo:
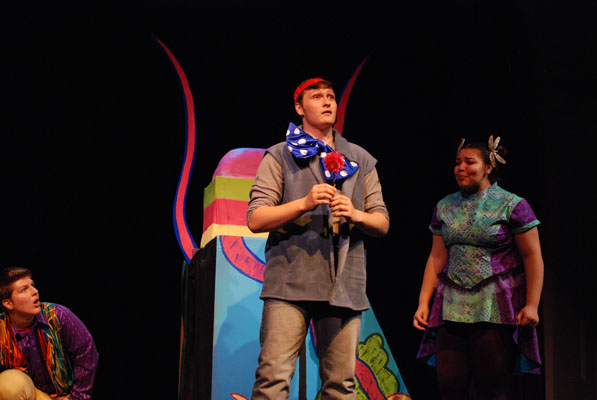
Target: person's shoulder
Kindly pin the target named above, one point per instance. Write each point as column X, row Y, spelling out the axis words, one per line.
column 362, row 152
column 276, row 152
column 278, row 147
column 357, row 153
column 62, row 311
column 506, row 195
column 356, row 148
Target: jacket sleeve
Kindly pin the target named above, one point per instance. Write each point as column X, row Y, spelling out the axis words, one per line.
column 79, row 345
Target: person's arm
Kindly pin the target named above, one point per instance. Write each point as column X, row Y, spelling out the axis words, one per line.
column 80, row 347
column 373, row 224
column 374, row 220
column 269, row 218
column 265, row 213
column 435, row 264
column 529, row 248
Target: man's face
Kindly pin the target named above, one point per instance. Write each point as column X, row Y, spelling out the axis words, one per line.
column 24, row 298
column 318, row 108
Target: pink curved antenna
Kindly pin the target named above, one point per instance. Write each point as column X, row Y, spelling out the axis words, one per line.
column 339, row 125
column 183, row 235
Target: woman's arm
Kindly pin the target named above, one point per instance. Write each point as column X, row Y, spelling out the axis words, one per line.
column 529, row 247
column 435, row 264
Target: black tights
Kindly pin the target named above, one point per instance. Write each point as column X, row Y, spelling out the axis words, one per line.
column 475, row 356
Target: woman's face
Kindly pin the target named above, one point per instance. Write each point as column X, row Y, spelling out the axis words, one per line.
column 471, row 172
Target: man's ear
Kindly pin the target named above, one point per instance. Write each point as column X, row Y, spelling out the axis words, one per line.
column 299, row 109
column 7, row 303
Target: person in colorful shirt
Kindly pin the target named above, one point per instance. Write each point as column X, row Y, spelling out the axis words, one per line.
column 316, row 213
column 486, row 270
column 46, row 352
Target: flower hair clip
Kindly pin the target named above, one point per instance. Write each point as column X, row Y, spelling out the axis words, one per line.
column 493, row 151
column 462, row 140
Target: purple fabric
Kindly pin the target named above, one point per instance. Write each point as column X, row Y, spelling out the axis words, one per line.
column 521, row 217
column 506, row 257
column 77, row 342
column 436, row 225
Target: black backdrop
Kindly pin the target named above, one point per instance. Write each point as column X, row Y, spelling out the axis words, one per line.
column 93, row 138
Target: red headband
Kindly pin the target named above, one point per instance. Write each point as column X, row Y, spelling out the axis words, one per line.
column 305, row 85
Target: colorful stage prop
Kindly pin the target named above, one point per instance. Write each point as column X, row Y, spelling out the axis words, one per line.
column 221, row 283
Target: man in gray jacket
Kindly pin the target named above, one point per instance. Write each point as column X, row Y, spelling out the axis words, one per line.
column 316, row 213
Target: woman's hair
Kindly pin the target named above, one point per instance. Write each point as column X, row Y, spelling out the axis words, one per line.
column 483, row 148
column 8, row 276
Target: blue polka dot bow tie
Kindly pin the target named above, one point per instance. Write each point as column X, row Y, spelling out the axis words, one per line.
column 303, row 145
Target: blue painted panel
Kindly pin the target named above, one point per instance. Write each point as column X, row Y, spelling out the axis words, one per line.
column 237, row 318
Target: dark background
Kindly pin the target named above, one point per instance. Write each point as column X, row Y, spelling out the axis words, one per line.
column 92, row 141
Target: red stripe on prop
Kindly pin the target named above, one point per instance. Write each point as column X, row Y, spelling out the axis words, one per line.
column 367, row 381
column 241, row 258
column 225, row 212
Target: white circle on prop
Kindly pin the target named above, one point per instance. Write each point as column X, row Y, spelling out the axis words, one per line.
column 354, row 164
column 343, row 173
column 304, row 152
column 327, row 174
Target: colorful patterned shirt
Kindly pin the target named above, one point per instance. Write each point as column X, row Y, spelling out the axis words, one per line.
column 483, row 261
column 77, row 342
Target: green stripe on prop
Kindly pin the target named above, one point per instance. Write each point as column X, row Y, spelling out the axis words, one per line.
column 227, row 188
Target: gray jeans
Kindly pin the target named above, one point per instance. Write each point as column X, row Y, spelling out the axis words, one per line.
column 284, row 326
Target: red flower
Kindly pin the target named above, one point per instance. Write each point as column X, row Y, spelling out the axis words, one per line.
column 334, row 162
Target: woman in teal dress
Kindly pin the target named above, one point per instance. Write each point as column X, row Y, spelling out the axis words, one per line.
column 485, row 274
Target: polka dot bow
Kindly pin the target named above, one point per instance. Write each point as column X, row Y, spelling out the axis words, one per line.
column 303, row 145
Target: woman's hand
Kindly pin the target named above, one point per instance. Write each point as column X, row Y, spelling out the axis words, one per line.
column 420, row 318
column 435, row 264
column 529, row 249
column 528, row 316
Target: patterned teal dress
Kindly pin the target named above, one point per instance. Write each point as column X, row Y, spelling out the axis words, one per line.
column 483, row 280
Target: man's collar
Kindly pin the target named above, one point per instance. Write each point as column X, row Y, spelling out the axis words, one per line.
column 38, row 319
column 41, row 319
